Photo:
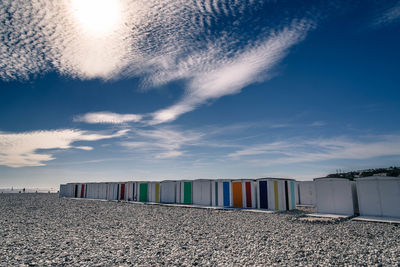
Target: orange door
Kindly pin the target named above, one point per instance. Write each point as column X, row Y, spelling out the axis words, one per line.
column 237, row 194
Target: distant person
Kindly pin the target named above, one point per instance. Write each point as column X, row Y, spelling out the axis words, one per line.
column 23, row 190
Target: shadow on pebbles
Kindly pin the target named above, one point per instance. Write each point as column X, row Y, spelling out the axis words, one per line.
column 41, row 229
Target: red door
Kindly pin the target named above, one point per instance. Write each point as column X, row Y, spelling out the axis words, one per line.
column 82, row 191
column 122, row 192
column 248, row 194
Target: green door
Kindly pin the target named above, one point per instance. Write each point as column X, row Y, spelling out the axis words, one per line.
column 143, row 189
column 187, row 191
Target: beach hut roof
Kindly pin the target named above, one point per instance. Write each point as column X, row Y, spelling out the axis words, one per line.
column 275, row 178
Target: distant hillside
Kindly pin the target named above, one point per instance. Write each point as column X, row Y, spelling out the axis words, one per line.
column 391, row 171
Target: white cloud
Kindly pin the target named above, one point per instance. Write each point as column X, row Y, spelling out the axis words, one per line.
column 106, row 117
column 299, row 151
column 103, row 39
column 26, row 149
column 87, row 148
column 212, row 76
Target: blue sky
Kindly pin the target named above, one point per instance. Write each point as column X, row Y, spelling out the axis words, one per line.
column 119, row 90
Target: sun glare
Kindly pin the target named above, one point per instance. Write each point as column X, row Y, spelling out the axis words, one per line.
column 98, row 17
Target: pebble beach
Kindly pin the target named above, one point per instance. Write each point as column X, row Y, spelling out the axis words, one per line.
column 42, row 229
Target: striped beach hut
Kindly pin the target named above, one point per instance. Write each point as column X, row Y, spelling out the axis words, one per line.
column 79, row 190
column 154, row 192
column 379, row 196
column 276, row 194
column 185, row 189
column 244, row 193
column 123, row 191
column 168, row 192
column 202, row 192
column 336, row 196
column 221, row 192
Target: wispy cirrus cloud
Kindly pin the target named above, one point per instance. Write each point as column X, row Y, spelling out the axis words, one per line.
column 390, row 15
column 106, row 117
column 29, row 148
column 219, row 76
column 300, row 151
column 215, row 46
column 162, row 142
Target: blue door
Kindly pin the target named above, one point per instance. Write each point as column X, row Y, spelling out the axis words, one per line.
column 263, row 195
column 226, row 194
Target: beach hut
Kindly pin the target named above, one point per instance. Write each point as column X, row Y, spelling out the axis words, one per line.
column 79, row 190
column 306, row 193
column 336, row 196
column 122, row 191
column 63, row 190
column 244, row 194
column 221, row 193
column 131, row 194
column 185, row 189
column 379, row 196
column 143, row 191
column 92, row 190
column 102, row 191
column 154, row 192
column 202, row 192
column 112, row 191
column 276, row 194
column 168, row 191
column 67, row 190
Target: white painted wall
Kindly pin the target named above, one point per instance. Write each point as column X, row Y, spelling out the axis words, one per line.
column 379, row 196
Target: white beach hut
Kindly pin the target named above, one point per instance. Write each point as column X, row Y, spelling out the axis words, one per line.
column 168, row 191
column 92, row 190
column 185, row 192
column 221, row 192
column 69, row 189
column 63, row 190
column 276, row 194
column 379, row 196
column 102, row 191
column 130, row 189
column 154, row 192
column 112, row 191
column 336, row 196
column 306, row 193
column 202, row 192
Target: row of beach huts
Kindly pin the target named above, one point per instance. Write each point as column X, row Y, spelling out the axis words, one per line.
column 373, row 196
column 266, row 193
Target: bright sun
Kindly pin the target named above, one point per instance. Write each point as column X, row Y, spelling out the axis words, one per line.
column 98, row 17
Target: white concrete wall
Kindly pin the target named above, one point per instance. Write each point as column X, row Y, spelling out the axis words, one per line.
column 306, row 193
column 335, row 195
column 168, row 192
column 202, row 192
column 379, row 196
